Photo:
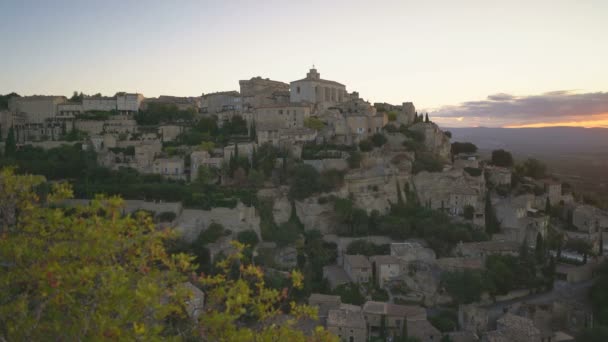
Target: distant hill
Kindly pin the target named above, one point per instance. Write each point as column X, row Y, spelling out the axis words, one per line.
column 536, row 141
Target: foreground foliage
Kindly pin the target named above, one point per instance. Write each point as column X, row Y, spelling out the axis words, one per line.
column 93, row 273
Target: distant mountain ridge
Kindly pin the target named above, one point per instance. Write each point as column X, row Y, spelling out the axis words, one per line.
column 536, row 141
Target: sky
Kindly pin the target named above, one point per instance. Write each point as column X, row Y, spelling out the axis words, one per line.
column 467, row 63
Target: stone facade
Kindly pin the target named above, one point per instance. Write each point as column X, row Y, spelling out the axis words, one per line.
column 450, row 191
column 348, row 325
column 319, row 92
column 172, row 168
column 387, row 267
column 393, row 315
column 358, row 268
column 221, row 101
column 36, row 108
column 291, row 115
column 258, row 92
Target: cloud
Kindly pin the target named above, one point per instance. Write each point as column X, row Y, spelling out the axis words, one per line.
column 508, row 110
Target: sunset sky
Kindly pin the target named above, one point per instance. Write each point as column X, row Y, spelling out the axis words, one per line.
column 468, row 63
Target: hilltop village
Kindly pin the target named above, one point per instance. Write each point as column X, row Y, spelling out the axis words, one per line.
column 401, row 234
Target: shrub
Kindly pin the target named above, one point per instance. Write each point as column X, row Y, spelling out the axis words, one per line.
column 469, row 212
column 166, row 216
column 502, row 158
column 426, row 161
column 248, row 237
column 366, row 145
column 463, row 147
column 378, row 139
column 211, row 234
column 473, row 171
column 354, row 160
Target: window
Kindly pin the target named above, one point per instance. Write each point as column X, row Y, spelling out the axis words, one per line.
column 298, row 90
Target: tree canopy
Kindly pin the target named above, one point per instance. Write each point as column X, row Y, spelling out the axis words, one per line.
column 92, row 273
column 502, row 158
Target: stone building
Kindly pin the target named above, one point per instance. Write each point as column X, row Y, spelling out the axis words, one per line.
column 170, row 132
column 37, row 108
column 393, row 315
column 203, row 158
column 553, row 190
column 259, row 92
column 435, row 140
column 589, row 219
column 291, row 115
column 450, row 191
column 172, row 168
column 221, row 101
column 348, row 325
column 324, row 303
column 122, row 103
column 319, row 92
column 181, row 103
column 422, row 330
column 486, row 248
column 244, row 150
column 464, row 160
column 407, row 114
column 519, row 221
column 498, row 175
column 358, row 268
column 387, row 267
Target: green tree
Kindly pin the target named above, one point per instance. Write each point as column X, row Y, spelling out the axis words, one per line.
column 354, row 159
column 426, row 118
column 539, row 250
column 534, row 168
column 88, row 273
column 469, row 212
column 492, row 223
column 366, row 145
column 238, row 295
column 463, row 147
column 502, row 158
column 314, row 123
column 10, row 146
column 595, row 334
column 378, row 139
column 304, row 182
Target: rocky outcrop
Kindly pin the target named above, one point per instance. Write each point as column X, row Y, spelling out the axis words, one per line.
column 315, row 214
column 435, row 139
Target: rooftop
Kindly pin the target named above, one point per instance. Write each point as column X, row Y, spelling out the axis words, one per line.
column 318, row 297
column 357, row 260
column 382, row 308
column 345, row 318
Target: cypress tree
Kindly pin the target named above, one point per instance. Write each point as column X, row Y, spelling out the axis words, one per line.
column 426, row 118
column 254, row 159
column 10, row 147
column 253, row 133
column 383, row 328
column 540, row 248
column 399, row 195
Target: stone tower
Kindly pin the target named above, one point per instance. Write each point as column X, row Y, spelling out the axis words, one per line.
column 406, row 116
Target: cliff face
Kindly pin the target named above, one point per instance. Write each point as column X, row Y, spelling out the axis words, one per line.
column 435, row 140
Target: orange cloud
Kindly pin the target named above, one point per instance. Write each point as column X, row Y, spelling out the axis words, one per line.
column 598, row 120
